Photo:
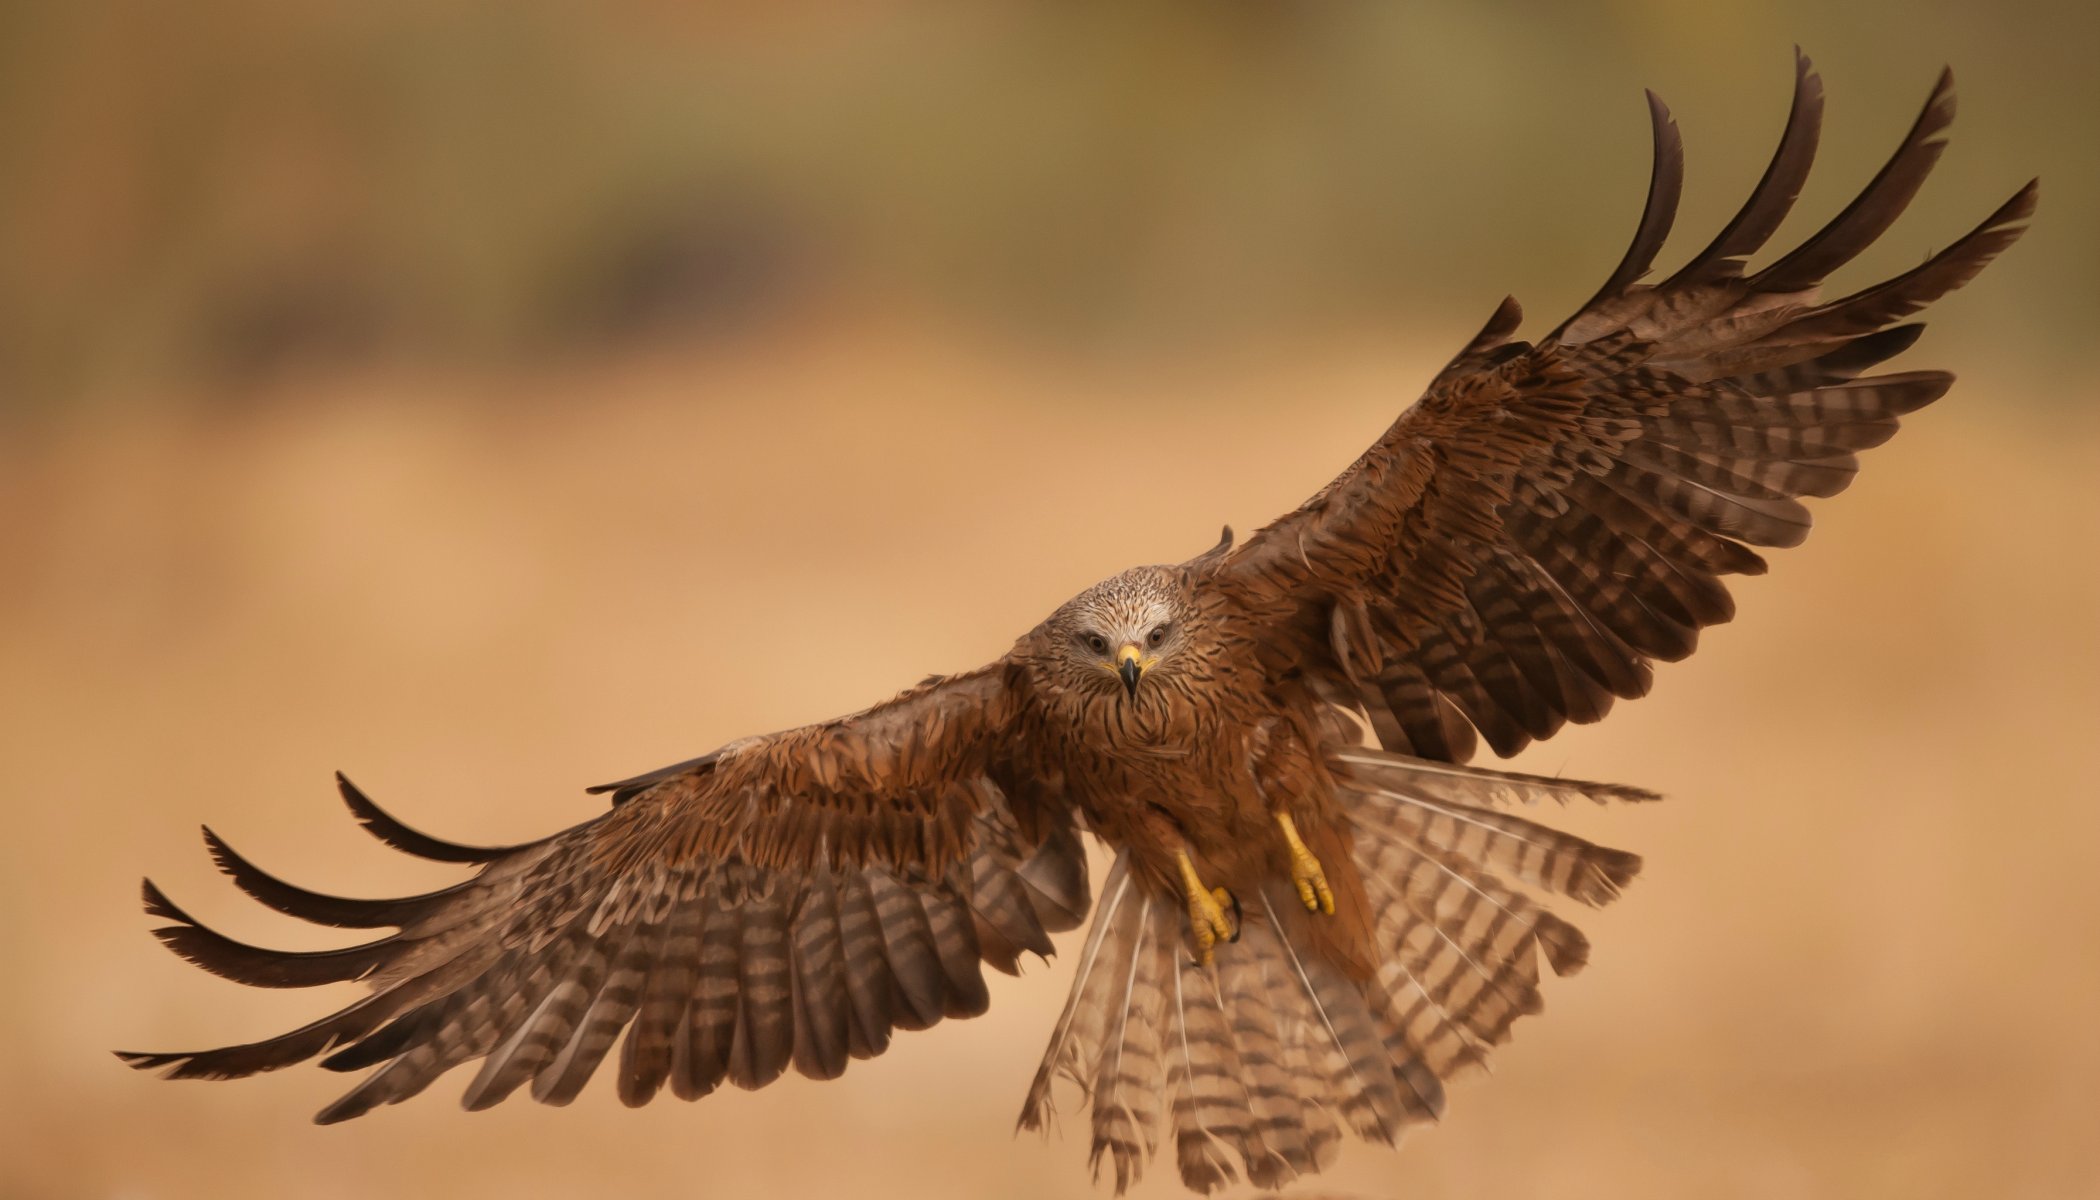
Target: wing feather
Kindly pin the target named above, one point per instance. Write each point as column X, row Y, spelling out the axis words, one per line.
column 1548, row 520
column 1773, row 198
column 784, row 901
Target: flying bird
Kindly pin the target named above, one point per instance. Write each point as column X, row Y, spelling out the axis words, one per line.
column 1317, row 914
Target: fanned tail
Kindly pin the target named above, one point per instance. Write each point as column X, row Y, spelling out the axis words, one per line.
column 1444, row 863
column 1258, row 1064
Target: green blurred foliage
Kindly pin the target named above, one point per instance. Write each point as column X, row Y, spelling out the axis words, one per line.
column 205, row 189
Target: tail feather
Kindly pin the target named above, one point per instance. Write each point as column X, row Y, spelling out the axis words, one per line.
column 1210, row 1110
column 1129, row 1074
column 1481, row 980
column 1417, row 1027
column 1453, row 810
column 1258, row 1064
column 1076, row 1039
column 1275, row 1108
column 1474, row 1000
column 1340, row 1037
column 1491, row 900
column 1300, row 1101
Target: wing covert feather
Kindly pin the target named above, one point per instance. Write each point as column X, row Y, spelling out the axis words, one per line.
column 1549, row 519
column 787, row 900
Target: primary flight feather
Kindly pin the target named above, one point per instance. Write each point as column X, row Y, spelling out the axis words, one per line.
column 1301, row 935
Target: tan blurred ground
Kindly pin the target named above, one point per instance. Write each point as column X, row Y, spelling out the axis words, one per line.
column 495, row 399
column 1861, row 961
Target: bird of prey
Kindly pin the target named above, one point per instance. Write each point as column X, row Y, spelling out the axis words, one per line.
column 1302, row 933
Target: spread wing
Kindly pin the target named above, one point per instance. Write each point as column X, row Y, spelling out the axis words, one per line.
column 1548, row 519
column 789, row 899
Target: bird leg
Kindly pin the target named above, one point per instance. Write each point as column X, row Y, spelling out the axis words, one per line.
column 1213, row 912
column 1305, row 870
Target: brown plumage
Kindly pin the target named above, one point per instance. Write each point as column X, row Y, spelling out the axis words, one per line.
column 1301, row 935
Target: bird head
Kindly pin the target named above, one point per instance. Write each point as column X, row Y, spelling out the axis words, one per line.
column 1121, row 631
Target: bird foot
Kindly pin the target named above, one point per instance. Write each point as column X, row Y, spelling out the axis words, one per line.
column 1213, row 913
column 1306, row 874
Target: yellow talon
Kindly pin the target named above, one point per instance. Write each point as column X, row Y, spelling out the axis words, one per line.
column 1313, row 891
column 1210, row 912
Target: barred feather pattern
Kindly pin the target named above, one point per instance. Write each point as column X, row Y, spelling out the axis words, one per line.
column 1550, row 519
column 1517, row 551
column 714, row 970
column 1255, row 1066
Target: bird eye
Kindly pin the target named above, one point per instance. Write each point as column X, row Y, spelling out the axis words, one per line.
column 1097, row 643
column 1156, row 637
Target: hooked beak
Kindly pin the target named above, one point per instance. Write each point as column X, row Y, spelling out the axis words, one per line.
column 1129, row 666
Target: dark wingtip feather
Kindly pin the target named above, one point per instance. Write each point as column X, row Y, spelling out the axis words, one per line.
column 158, row 905
column 405, row 839
column 1665, row 186
column 370, row 1092
column 342, row 1110
column 339, row 911
column 388, row 1041
column 197, row 943
column 1876, row 207
column 235, row 1062
column 1857, row 355
column 1776, row 191
column 366, row 1096
column 178, row 1064
column 1951, row 268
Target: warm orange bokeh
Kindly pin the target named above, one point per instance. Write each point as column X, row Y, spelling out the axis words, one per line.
column 1860, row 961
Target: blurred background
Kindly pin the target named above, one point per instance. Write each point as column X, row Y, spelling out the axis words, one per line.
column 492, row 399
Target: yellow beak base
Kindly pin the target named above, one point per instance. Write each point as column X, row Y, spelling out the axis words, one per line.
column 1130, row 664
